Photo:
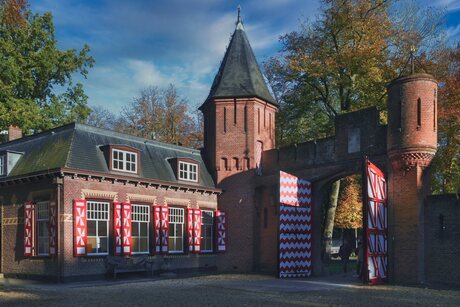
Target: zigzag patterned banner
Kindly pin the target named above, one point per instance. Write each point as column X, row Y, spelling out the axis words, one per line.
column 295, row 227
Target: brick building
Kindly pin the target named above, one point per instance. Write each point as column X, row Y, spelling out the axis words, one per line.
column 73, row 195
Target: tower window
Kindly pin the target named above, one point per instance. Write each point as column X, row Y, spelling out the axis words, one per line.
column 270, row 124
column 235, row 164
column 245, row 119
column 234, row 111
column 225, row 119
column 265, row 117
column 434, row 114
column 258, row 120
column 223, row 164
column 419, row 113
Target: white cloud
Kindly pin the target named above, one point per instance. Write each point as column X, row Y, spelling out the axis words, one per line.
column 453, row 33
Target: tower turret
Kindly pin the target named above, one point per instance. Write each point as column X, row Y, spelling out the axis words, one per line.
column 411, row 145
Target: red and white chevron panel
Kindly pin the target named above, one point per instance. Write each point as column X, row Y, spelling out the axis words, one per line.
column 157, row 228
column 53, row 228
column 117, row 235
column 28, row 229
column 295, row 227
column 126, row 228
column 196, row 230
column 294, row 191
column 164, row 228
column 221, row 231
column 79, row 228
column 190, row 229
column 376, row 224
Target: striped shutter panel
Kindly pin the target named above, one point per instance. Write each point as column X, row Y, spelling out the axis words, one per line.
column 117, row 229
column 157, row 228
column 221, row 231
column 164, row 229
column 126, row 228
column 79, row 228
column 196, row 230
column 53, row 228
column 190, row 228
column 28, row 229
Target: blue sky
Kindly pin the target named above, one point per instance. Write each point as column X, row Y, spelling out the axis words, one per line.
column 139, row 43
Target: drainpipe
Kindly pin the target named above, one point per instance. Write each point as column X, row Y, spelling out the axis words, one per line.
column 59, row 249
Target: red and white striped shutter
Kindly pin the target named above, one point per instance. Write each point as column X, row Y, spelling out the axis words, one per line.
column 190, row 229
column 221, row 231
column 196, row 230
column 164, row 228
column 117, row 229
column 126, row 228
column 53, row 228
column 28, row 229
column 157, row 228
column 79, row 227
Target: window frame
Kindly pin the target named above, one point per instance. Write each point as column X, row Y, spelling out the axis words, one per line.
column 203, row 233
column 188, row 171
column 124, row 160
column 107, row 220
column 170, row 236
column 2, row 165
column 44, row 240
column 138, row 223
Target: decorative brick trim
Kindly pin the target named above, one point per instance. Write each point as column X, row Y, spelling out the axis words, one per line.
column 12, row 221
column 86, row 193
column 177, row 201
column 130, row 197
column 407, row 161
column 206, row 204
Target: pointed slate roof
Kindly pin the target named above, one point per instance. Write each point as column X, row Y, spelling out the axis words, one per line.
column 239, row 74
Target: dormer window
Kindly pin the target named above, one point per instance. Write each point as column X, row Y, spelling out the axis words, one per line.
column 124, row 161
column 188, row 171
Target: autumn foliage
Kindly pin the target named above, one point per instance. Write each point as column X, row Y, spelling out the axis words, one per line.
column 350, row 208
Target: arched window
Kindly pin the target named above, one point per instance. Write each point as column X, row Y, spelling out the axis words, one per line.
column 246, row 163
column 419, row 112
column 235, row 164
column 245, row 119
column 225, row 119
column 223, row 164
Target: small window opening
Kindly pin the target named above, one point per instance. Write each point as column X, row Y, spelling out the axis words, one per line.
column 245, row 119
column 419, row 113
column 234, row 111
column 225, row 119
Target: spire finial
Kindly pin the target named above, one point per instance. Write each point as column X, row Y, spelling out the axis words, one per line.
column 239, row 21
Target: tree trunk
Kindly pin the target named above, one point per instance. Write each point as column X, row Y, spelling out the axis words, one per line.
column 330, row 217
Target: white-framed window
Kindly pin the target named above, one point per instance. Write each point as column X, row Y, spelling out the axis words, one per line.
column 2, row 165
column 124, row 161
column 207, row 230
column 176, row 230
column 97, row 216
column 140, row 218
column 188, row 171
column 43, row 226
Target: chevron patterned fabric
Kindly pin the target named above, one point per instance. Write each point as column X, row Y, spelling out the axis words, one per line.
column 296, row 227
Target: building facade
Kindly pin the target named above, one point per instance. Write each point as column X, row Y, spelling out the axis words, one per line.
column 72, row 196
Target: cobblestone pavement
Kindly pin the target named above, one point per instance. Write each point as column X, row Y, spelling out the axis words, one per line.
column 222, row 290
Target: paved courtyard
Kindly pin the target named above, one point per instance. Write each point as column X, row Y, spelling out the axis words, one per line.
column 221, row 290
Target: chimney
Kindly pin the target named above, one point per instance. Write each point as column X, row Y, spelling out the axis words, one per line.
column 14, row 133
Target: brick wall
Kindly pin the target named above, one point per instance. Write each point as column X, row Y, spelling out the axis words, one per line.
column 13, row 262
column 442, row 239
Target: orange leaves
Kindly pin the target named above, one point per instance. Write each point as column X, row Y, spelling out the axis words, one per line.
column 349, row 209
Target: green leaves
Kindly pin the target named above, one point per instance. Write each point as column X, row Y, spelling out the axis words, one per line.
column 36, row 89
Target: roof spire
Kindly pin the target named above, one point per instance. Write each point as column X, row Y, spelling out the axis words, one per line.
column 239, row 21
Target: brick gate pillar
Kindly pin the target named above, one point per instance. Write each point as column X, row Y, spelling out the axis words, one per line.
column 412, row 140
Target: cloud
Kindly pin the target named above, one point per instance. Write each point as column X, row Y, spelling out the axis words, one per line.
column 453, row 33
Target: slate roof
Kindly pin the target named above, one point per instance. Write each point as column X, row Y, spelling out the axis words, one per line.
column 79, row 147
column 239, row 74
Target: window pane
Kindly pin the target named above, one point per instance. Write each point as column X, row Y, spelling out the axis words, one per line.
column 104, row 245
column 91, row 228
column 179, row 230
column 135, row 244
column 179, row 244
column 91, row 245
column 135, row 228
column 144, row 245
column 144, row 229
column 102, row 231
column 171, row 244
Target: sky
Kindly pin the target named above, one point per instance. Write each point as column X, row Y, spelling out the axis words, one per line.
column 141, row 43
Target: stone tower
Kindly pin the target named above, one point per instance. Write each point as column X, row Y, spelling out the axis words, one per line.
column 239, row 124
column 411, row 145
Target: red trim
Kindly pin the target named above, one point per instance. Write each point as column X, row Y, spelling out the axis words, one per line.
column 80, row 230
column 52, row 228
column 126, row 228
column 29, row 233
column 221, row 231
column 117, row 235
